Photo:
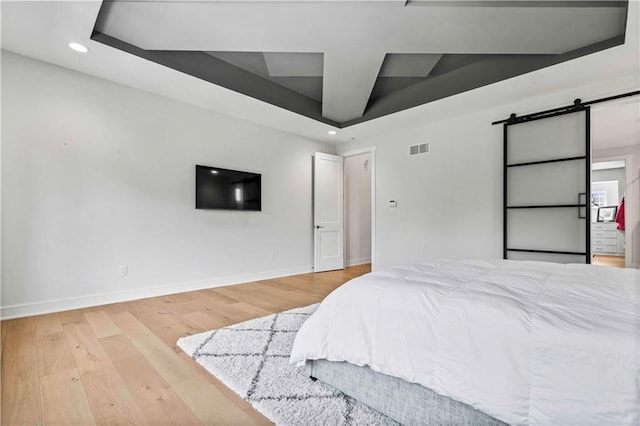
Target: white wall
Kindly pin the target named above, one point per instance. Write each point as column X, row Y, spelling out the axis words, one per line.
column 96, row 175
column 450, row 200
column 610, row 175
column 615, row 124
column 357, row 175
column 611, row 188
column 632, row 191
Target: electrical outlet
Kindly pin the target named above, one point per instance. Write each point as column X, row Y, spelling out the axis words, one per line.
column 272, row 257
column 123, row 271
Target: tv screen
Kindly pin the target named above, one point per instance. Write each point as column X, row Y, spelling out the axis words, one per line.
column 222, row 189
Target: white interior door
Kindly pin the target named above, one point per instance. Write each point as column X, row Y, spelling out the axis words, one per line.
column 328, row 212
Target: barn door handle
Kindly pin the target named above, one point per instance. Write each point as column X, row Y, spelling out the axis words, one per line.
column 580, row 194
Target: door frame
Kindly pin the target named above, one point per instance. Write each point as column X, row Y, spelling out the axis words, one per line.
column 372, row 151
column 630, row 202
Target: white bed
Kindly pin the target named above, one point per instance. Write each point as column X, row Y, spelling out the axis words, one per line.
column 524, row 342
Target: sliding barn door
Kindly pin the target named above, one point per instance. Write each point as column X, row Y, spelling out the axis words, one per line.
column 547, row 173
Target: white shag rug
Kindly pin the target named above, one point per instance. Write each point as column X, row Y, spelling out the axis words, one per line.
column 252, row 359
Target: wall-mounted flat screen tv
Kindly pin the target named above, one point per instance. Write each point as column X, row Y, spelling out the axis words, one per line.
column 223, row 189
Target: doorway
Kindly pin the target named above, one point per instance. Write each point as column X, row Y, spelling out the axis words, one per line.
column 357, row 209
column 359, row 190
column 608, row 190
column 615, row 183
column 344, row 209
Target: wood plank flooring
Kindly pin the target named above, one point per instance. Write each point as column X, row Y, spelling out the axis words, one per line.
column 119, row 364
column 617, row 261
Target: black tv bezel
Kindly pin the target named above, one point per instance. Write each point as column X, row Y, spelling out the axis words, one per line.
column 259, row 175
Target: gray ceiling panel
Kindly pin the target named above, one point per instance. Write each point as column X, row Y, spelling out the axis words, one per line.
column 255, row 63
column 214, row 70
column 387, row 85
column 408, row 65
column 248, row 61
column 449, row 63
column 307, row 86
column 294, row 64
column 489, row 70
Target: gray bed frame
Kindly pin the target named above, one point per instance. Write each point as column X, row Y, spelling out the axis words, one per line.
column 407, row 403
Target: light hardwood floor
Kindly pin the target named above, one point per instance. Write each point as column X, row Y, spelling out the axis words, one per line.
column 119, row 364
column 617, row 261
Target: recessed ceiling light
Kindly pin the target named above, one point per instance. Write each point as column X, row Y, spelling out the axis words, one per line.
column 332, row 132
column 78, row 47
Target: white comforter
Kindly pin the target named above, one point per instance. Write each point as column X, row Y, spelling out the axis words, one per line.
column 526, row 342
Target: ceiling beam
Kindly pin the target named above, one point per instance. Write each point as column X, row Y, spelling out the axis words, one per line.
column 349, row 77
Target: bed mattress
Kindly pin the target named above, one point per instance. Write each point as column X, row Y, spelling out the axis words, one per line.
column 524, row 342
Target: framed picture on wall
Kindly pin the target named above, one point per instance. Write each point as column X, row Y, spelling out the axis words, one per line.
column 607, row 214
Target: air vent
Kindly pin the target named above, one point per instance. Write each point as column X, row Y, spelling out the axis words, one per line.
column 423, row 148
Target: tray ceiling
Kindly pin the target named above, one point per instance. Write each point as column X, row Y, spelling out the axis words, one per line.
column 346, row 62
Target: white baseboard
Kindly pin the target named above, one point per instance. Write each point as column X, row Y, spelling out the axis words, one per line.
column 59, row 305
column 361, row 261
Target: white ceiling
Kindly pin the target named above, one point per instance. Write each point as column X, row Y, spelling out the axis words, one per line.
column 357, row 26
column 354, row 37
column 42, row 30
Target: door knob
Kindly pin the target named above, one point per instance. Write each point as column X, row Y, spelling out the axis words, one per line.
column 318, row 226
